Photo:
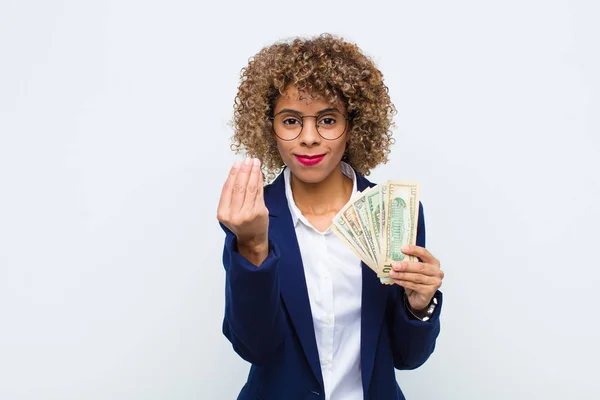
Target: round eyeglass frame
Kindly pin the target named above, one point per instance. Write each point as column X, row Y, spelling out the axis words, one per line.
column 346, row 118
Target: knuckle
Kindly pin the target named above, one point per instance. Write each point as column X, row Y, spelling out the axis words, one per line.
column 246, row 167
column 238, row 188
column 252, row 189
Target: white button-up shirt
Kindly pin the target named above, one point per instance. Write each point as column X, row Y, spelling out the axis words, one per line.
column 334, row 280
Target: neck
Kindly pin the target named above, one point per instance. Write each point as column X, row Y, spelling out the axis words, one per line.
column 325, row 197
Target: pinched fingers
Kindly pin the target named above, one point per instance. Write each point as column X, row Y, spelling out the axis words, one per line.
column 260, row 199
column 254, row 186
column 239, row 188
column 225, row 200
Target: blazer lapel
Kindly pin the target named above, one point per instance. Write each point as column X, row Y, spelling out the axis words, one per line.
column 292, row 282
column 295, row 293
column 372, row 310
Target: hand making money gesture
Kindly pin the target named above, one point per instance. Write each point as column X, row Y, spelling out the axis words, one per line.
column 420, row 279
column 242, row 210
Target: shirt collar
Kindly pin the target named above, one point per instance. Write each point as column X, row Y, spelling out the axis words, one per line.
column 294, row 210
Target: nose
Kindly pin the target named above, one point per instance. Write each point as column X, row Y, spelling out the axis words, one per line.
column 309, row 136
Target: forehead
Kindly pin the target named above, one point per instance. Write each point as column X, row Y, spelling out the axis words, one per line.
column 302, row 100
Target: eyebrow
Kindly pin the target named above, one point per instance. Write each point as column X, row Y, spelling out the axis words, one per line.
column 299, row 113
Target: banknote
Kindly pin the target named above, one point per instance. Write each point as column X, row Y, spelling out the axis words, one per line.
column 352, row 219
column 373, row 207
column 400, row 223
column 342, row 229
column 377, row 222
column 360, row 208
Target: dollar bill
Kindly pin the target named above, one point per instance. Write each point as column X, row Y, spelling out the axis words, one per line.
column 373, row 206
column 399, row 223
column 350, row 216
column 360, row 208
column 377, row 222
column 342, row 229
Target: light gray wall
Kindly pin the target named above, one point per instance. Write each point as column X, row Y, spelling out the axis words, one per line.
column 114, row 146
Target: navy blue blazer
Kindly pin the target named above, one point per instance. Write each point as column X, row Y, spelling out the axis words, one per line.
column 269, row 322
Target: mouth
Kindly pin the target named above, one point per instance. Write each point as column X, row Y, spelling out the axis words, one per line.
column 309, row 160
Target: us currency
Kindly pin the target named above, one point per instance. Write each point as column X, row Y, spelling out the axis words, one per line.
column 342, row 229
column 382, row 199
column 360, row 208
column 374, row 207
column 350, row 216
column 399, row 223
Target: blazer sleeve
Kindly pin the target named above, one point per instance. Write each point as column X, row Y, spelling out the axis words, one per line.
column 412, row 340
column 254, row 320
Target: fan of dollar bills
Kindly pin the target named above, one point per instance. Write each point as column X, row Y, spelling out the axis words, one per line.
column 377, row 222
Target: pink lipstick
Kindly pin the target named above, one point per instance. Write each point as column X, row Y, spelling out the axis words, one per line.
column 310, row 160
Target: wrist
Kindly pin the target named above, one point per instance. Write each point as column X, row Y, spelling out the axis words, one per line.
column 424, row 314
column 254, row 251
column 254, row 245
column 419, row 313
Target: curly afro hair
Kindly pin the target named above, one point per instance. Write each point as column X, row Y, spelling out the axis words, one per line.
column 324, row 66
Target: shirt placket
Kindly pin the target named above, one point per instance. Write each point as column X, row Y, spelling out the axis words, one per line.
column 328, row 321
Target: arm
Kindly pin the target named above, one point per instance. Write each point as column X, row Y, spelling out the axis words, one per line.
column 254, row 320
column 412, row 340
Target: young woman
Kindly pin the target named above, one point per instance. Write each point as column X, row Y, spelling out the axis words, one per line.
column 315, row 322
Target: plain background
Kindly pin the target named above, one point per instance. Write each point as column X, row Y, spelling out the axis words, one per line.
column 114, row 144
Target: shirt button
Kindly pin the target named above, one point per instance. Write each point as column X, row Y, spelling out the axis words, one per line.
column 329, row 320
column 326, row 276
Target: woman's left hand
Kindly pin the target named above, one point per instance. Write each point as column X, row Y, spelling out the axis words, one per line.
column 419, row 279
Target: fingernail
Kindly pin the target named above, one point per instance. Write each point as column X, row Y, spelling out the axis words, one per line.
column 405, row 248
column 256, row 162
column 248, row 161
column 237, row 164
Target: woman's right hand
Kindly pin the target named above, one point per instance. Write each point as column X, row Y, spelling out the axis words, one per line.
column 243, row 211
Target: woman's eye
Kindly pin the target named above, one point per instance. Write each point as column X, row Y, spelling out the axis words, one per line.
column 327, row 121
column 290, row 121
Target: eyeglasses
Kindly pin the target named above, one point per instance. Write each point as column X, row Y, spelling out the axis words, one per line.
column 331, row 124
